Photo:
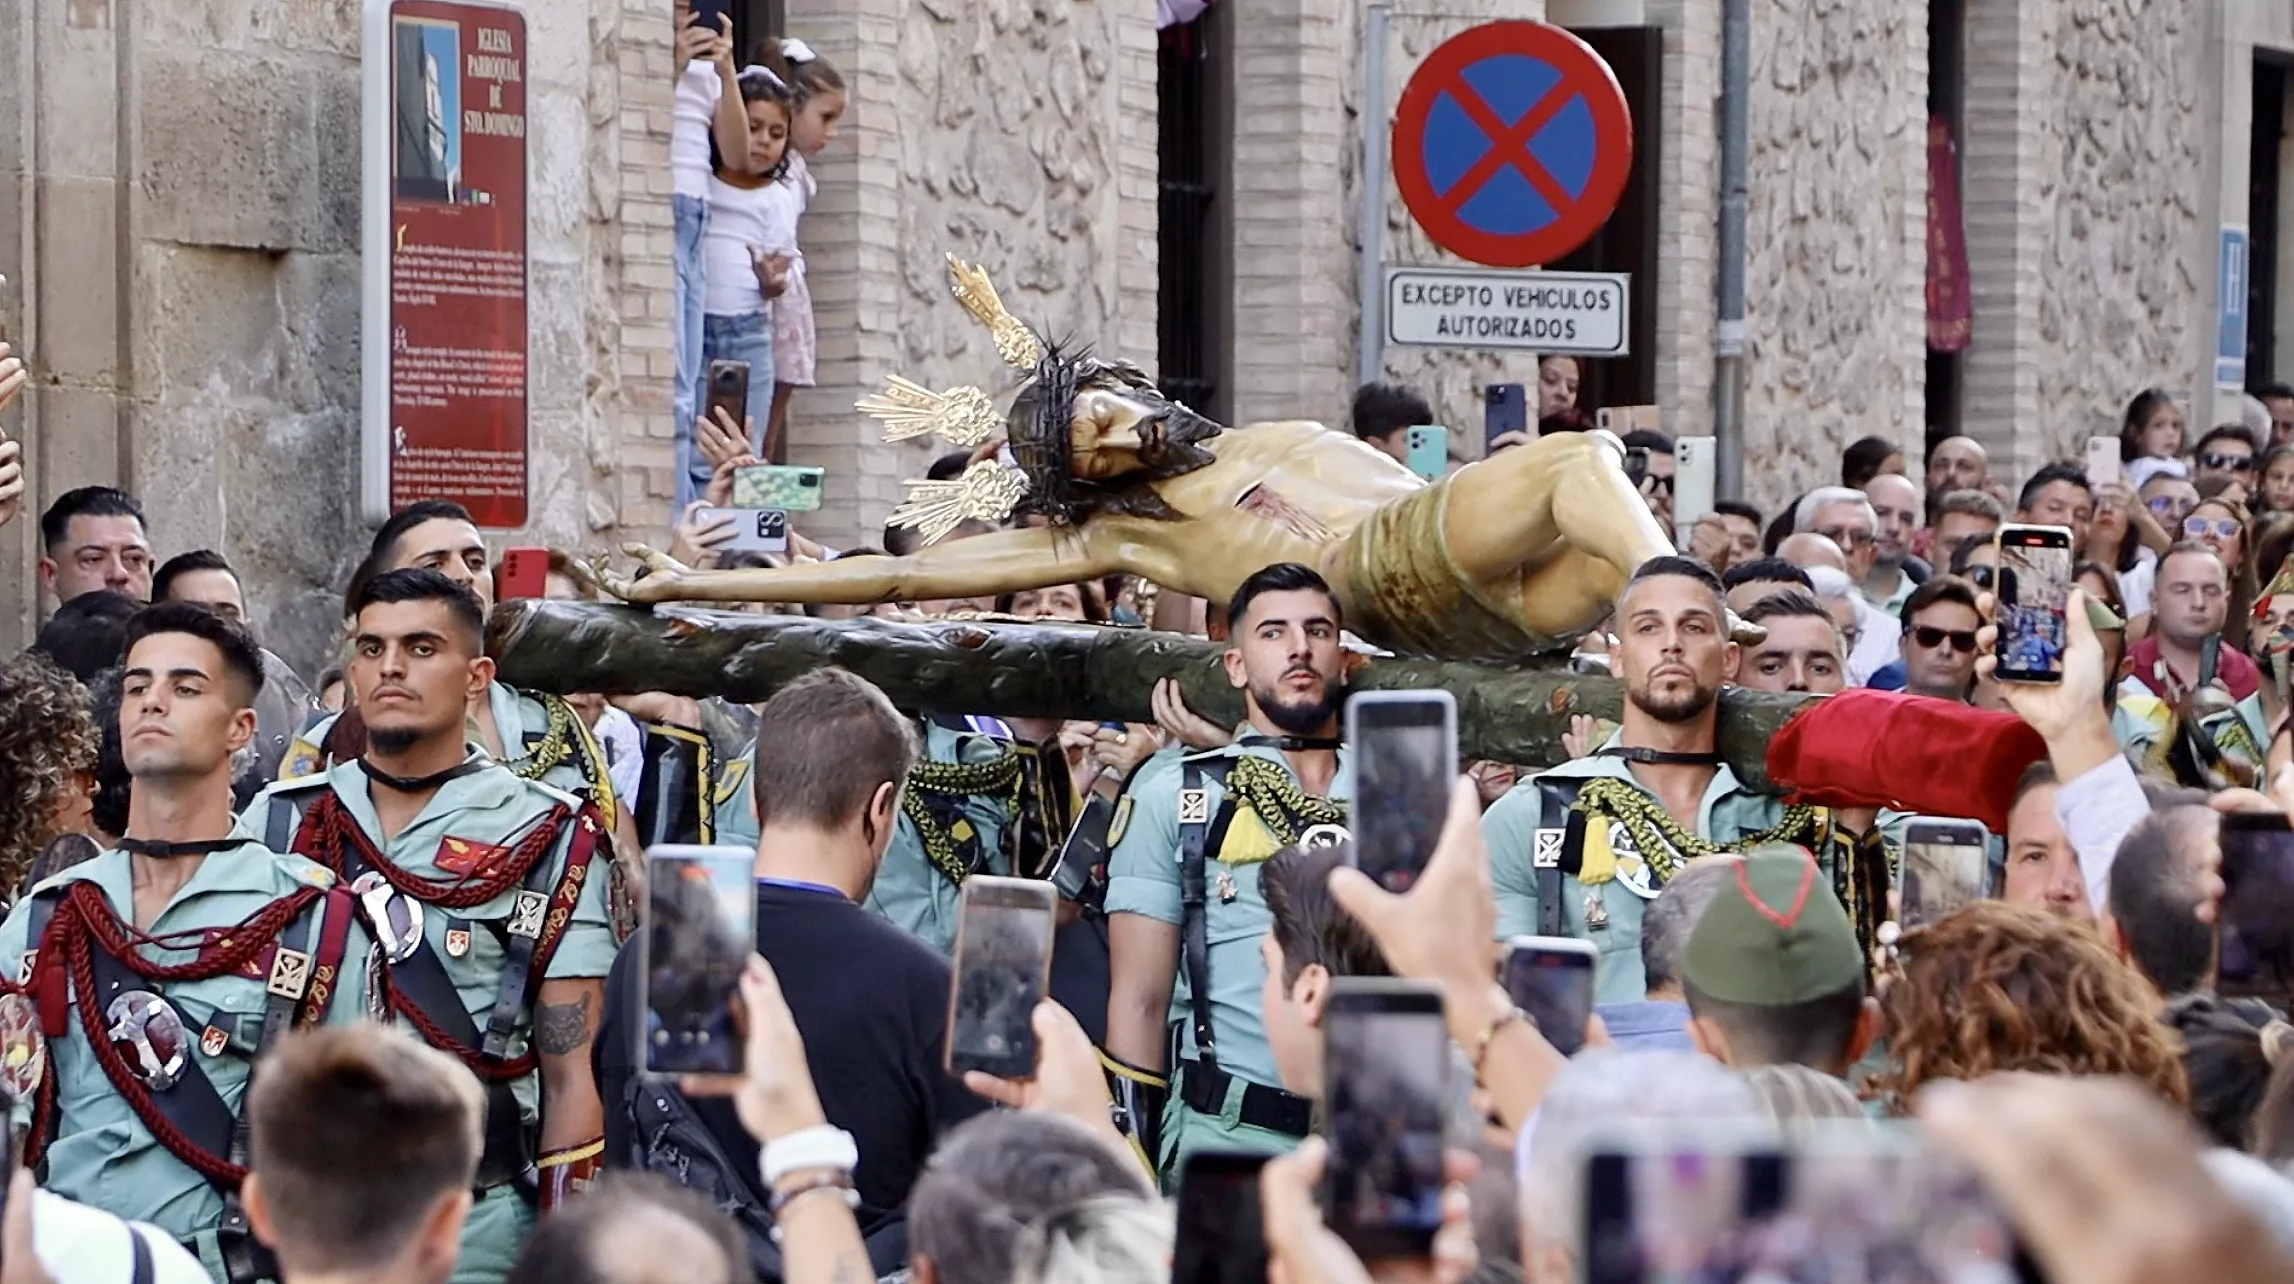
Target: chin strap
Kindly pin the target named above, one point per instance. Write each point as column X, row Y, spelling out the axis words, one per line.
column 567, row 1173
column 1294, row 744
column 1661, row 757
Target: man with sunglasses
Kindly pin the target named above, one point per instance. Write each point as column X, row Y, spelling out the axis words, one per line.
column 2226, row 452
column 2183, row 654
column 1654, row 452
column 1940, row 621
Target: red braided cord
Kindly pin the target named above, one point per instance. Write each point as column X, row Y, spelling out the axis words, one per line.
column 247, row 940
column 334, row 828
column 70, row 932
column 329, row 827
column 480, row 1064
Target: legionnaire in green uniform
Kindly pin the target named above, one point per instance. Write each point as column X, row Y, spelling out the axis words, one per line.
column 484, row 894
column 1579, row 850
column 1183, row 905
column 159, row 971
column 956, row 820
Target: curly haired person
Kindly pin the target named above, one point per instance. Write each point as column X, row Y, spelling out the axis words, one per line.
column 47, row 762
column 1998, row 987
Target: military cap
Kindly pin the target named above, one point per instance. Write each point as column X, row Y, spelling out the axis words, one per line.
column 1774, row 935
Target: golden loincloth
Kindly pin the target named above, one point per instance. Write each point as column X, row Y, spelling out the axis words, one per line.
column 1407, row 594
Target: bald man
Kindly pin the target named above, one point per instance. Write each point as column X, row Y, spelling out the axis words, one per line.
column 1958, row 463
column 1811, row 549
column 1896, row 503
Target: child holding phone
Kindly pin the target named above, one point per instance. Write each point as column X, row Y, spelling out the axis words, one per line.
column 816, row 102
column 706, row 118
column 747, row 254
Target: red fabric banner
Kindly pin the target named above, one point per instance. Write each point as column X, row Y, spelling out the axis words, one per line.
column 1950, row 305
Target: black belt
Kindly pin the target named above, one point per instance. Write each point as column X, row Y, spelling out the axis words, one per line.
column 1204, row 1090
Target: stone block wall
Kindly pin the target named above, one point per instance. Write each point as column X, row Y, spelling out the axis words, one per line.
column 1836, row 238
column 1020, row 136
column 181, row 207
column 2123, row 201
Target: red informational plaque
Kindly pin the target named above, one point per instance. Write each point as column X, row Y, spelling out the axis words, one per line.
column 445, row 342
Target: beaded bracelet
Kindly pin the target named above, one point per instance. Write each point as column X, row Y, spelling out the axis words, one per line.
column 782, row 1200
column 1488, row 1036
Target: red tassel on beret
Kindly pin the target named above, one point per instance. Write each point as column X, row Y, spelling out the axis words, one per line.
column 1864, row 748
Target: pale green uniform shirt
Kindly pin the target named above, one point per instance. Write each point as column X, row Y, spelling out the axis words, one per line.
column 1727, row 812
column 1143, row 878
column 910, row 892
column 101, row 1153
column 492, row 807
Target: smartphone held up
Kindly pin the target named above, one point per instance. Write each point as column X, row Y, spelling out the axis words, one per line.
column 1386, row 1064
column 2033, row 588
column 1404, row 748
column 1003, row 970
column 700, row 928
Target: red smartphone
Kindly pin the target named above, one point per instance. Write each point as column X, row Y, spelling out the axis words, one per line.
column 524, row 572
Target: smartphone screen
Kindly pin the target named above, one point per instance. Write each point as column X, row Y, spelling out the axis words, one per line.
column 729, row 392
column 1386, row 1062
column 700, row 929
column 2256, row 955
column 1221, row 1236
column 1835, row 1202
column 1404, row 749
column 1551, row 979
column 2032, row 582
column 1947, row 864
column 1003, row 965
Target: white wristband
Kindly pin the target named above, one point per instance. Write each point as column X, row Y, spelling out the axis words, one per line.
column 820, row 1146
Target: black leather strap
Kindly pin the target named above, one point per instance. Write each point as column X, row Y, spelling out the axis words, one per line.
column 422, row 979
column 1198, row 838
column 672, row 791
column 514, row 992
column 280, row 822
column 139, row 1265
column 1556, row 799
column 191, row 1105
column 1204, row 1088
column 246, row 1258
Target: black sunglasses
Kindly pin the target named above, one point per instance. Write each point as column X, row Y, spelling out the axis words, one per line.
column 2227, row 463
column 1980, row 576
column 1931, row 637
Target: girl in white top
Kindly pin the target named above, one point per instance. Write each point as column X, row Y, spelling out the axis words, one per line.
column 748, row 249
column 816, row 103
column 707, row 112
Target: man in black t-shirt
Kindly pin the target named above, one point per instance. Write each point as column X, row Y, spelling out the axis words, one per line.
column 870, row 1000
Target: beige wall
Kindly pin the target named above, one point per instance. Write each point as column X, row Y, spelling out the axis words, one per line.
column 1836, row 238
column 1018, row 136
column 179, row 202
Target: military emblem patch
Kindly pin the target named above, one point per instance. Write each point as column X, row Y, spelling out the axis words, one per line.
column 213, row 1040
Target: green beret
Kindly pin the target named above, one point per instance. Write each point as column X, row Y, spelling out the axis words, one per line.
column 1775, row 935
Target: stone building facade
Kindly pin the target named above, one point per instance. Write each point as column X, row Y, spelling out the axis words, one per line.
column 179, row 197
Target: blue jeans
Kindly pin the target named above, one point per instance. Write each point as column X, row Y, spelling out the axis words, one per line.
column 692, row 215
column 746, row 337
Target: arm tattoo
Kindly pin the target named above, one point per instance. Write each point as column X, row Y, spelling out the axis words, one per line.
column 562, row 1028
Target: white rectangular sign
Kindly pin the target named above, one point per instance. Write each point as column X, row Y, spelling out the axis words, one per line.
column 1587, row 313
